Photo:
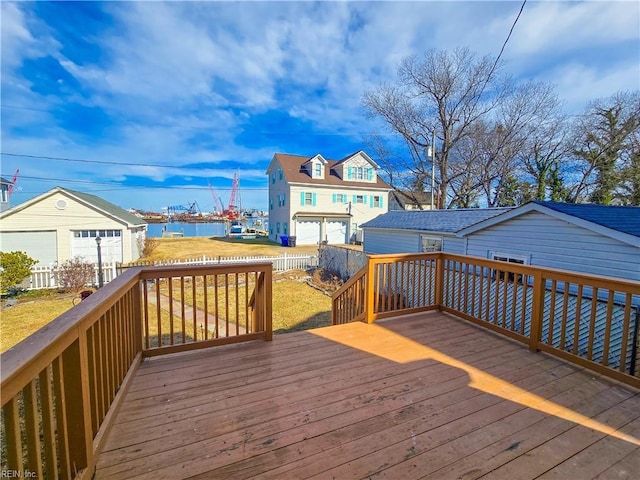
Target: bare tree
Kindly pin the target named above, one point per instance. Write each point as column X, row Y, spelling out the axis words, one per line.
column 443, row 94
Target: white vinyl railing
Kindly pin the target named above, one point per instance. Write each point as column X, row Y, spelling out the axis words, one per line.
column 43, row 277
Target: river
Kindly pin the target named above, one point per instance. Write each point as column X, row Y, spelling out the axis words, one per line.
column 216, row 229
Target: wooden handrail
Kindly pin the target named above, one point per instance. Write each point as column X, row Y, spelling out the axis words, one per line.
column 579, row 317
column 62, row 386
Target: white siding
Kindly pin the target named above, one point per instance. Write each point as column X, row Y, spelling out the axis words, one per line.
column 390, row 241
column 554, row 243
column 279, row 214
column 453, row 245
column 47, row 214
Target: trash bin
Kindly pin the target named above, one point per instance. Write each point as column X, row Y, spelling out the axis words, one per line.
column 292, row 241
column 285, row 240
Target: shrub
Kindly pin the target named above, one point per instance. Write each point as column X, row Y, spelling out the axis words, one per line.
column 146, row 246
column 75, row 273
column 14, row 268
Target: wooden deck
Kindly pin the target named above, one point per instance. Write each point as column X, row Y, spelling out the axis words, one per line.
column 420, row 396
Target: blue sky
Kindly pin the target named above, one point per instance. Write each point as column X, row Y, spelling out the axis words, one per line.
column 183, row 93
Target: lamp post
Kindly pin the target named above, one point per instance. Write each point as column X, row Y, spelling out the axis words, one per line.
column 100, row 277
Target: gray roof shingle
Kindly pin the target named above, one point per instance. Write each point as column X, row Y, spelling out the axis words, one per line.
column 446, row 221
column 108, row 207
column 622, row 219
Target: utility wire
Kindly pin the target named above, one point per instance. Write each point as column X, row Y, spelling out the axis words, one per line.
column 504, row 45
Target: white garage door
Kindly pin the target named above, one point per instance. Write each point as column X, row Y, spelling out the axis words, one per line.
column 41, row 246
column 307, row 232
column 83, row 244
column 336, row 232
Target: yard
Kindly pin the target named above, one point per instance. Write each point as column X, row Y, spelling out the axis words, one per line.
column 296, row 305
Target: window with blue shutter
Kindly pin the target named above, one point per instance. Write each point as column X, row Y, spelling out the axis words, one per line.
column 284, row 228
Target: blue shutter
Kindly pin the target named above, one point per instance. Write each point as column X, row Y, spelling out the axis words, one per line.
column 369, row 173
column 364, row 199
column 313, row 199
column 284, row 202
column 381, row 204
column 302, row 199
column 271, row 204
column 333, row 197
column 354, row 200
column 344, row 197
column 371, row 201
column 349, row 173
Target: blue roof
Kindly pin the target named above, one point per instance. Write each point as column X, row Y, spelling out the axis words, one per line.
column 445, row 221
column 622, row 219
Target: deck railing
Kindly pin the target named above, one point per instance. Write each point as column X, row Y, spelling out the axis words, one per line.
column 588, row 320
column 61, row 387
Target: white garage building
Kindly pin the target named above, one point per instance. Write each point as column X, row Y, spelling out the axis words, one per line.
column 61, row 224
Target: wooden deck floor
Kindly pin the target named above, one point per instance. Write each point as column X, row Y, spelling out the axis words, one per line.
column 422, row 396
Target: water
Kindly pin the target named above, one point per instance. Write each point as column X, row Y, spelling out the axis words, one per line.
column 216, row 229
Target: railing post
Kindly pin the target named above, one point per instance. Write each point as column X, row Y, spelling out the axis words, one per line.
column 439, row 277
column 78, row 418
column 268, row 304
column 370, row 293
column 137, row 316
column 537, row 310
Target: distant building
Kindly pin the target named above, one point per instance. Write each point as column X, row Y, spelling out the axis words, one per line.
column 404, row 200
column 61, row 224
column 318, row 200
column 5, row 187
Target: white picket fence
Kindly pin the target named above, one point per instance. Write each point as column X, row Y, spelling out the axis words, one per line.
column 46, row 276
column 280, row 263
column 43, row 276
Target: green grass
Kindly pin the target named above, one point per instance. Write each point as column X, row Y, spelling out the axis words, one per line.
column 296, row 306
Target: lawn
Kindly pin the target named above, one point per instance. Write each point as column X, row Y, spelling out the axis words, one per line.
column 296, row 306
column 196, row 247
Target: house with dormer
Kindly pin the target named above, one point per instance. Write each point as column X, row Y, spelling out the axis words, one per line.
column 317, row 200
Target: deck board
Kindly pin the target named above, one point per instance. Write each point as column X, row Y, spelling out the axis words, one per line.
column 418, row 396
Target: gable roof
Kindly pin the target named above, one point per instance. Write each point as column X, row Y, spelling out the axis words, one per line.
column 363, row 153
column 85, row 198
column 5, row 181
column 294, row 172
column 621, row 223
column 412, row 198
column 622, row 219
column 442, row 221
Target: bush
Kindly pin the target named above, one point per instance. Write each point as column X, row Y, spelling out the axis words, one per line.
column 14, row 268
column 146, row 246
column 75, row 274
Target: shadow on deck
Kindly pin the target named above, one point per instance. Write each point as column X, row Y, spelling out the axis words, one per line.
column 419, row 396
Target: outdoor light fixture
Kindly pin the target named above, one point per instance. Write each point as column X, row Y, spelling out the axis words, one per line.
column 100, row 277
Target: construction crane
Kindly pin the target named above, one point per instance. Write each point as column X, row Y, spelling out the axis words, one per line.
column 234, row 190
column 231, row 212
column 13, row 183
column 217, row 201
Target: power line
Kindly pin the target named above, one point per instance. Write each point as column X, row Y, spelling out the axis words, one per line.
column 132, row 186
column 495, row 64
column 102, row 162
